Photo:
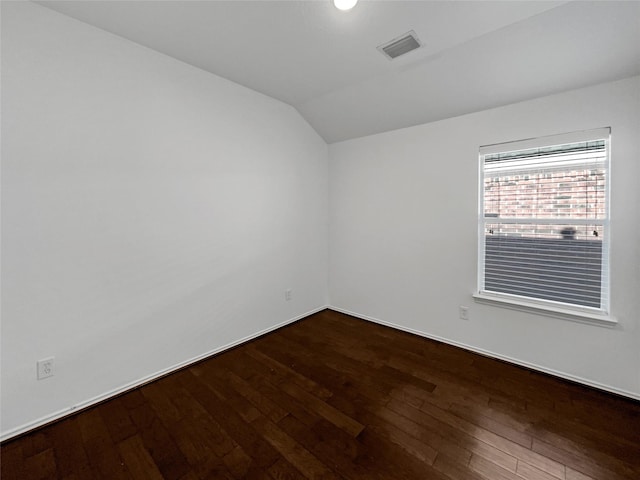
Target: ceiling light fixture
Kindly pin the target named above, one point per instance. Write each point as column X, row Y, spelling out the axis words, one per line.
column 345, row 5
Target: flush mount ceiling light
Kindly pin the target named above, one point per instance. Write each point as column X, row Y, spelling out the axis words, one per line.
column 345, row 5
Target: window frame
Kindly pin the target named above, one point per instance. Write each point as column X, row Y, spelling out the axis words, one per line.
column 600, row 316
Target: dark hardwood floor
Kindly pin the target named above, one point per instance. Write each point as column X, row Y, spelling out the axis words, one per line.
column 334, row 397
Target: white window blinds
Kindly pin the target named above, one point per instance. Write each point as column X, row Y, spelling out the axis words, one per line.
column 544, row 220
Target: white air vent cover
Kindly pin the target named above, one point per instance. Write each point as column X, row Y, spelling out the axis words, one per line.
column 400, row 45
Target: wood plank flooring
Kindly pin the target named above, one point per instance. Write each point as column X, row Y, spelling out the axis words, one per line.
column 334, row 397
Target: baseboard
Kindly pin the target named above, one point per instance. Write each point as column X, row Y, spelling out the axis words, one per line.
column 488, row 353
column 40, row 422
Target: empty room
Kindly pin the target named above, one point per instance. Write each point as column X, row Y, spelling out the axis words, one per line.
column 281, row 240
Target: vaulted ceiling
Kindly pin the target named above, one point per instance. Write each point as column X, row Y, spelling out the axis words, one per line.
column 475, row 55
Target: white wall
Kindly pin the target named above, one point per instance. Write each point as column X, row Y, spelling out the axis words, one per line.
column 151, row 212
column 403, row 229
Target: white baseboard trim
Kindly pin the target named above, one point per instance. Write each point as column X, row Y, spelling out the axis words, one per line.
column 4, row 436
column 487, row 353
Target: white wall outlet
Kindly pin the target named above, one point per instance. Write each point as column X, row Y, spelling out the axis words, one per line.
column 45, row 368
column 287, row 294
column 464, row 313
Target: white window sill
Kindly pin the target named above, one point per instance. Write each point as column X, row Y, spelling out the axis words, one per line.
column 546, row 310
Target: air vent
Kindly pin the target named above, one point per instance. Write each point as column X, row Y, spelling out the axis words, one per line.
column 400, row 45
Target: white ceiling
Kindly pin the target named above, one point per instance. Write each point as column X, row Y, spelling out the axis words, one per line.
column 476, row 54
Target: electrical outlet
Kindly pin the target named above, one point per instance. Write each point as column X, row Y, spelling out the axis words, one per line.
column 287, row 294
column 464, row 313
column 45, row 368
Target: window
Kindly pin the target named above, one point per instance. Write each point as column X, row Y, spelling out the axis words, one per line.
column 544, row 223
